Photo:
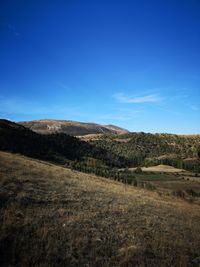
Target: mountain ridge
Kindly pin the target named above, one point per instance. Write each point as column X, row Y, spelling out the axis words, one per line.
column 75, row 128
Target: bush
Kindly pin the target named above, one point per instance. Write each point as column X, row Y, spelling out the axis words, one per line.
column 138, row 170
column 150, row 186
column 179, row 193
column 135, row 183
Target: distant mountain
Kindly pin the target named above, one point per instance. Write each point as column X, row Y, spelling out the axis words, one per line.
column 73, row 128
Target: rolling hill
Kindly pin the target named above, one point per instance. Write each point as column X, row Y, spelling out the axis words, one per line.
column 52, row 216
column 100, row 150
column 58, row 147
column 74, row 128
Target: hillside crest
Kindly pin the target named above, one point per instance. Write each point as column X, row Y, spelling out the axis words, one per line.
column 75, row 128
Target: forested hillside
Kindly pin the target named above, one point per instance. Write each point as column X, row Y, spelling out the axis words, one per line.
column 151, row 149
column 104, row 154
column 59, row 148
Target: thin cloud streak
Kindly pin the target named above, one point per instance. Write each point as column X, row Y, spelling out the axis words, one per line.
column 122, row 98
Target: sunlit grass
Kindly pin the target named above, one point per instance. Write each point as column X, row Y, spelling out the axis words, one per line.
column 52, row 216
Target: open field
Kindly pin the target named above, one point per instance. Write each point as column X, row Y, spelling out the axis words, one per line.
column 160, row 168
column 172, row 184
column 52, row 216
column 170, row 180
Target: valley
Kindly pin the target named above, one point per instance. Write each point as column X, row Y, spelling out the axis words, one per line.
column 100, row 133
column 98, row 200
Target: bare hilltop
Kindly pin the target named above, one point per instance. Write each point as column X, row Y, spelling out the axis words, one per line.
column 46, row 126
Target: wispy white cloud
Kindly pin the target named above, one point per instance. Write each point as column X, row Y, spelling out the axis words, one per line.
column 151, row 98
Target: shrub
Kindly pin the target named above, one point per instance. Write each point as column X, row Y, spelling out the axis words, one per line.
column 179, row 193
column 150, row 186
column 138, row 170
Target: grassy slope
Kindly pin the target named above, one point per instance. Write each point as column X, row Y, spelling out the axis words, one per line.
column 51, row 216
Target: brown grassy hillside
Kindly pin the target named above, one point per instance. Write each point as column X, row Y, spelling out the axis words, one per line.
column 51, row 216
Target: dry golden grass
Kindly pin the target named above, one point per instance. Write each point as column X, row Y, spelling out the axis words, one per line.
column 160, row 168
column 52, row 216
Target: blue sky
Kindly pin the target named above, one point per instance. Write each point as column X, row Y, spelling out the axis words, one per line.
column 135, row 64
